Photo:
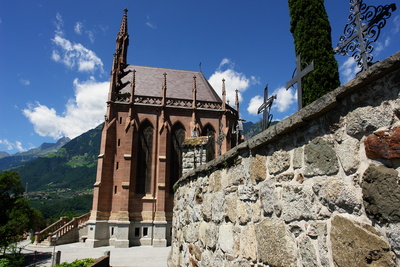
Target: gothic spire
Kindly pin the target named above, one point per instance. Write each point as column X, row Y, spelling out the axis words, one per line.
column 164, row 90
column 122, row 41
column 237, row 100
column 223, row 94
column 123, row 30
column 194, row 92
column 119, row 61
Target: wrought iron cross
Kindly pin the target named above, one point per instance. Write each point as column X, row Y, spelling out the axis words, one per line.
column 265, row 108
column 297, row 79
column 363, row 29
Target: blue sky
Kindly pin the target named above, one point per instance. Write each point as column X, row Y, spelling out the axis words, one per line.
column 55, row 56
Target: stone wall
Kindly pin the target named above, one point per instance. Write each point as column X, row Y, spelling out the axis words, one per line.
column 195, row 151
column 320, row 188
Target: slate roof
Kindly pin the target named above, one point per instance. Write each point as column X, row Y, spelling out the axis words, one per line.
column 149, row 81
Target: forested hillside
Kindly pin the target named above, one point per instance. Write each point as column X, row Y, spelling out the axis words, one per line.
column 72, row 167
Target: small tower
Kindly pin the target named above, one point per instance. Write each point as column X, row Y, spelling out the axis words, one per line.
column 223, row 95
column 122, row 41
column 119, row 62
column 237, row 100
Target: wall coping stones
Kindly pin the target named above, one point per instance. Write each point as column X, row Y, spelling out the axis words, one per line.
column 316, row 109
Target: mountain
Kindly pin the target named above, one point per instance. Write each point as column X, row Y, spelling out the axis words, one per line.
column 3, row 154
column 251, row 129
column 17, row 159
column 73, row 166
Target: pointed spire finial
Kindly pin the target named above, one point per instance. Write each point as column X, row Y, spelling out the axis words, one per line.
column 124, row 25
column 194, row 87
column 164, row 90
column 165, row 82
column 122, row 41
column 194, row 92
column 165, row 79
column 237, row 100
column 223, row 94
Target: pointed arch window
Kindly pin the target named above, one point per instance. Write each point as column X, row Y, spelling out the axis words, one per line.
column 144, row 158
column 177, row 136
column 209, row 131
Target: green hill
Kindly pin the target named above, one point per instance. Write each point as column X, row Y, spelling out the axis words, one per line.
column 72, row 167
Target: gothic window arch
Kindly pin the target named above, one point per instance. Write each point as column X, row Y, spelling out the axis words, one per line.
column 177, row 139
column 144, row 158
column 209, row 131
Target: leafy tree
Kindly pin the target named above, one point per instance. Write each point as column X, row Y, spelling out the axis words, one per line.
column 16, row 217
column 312, row 39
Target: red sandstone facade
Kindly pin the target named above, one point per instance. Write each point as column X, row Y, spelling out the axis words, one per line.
column 150, row 112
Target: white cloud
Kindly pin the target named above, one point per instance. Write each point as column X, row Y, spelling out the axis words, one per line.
column 10, row 145
column 284, row 98
column 18, row 146
column 224, row 62
column 254, row 104
column 349, row 69
column 382, row 45
column 150, row 23
column 59, row 23
column 396, row 22
column 82, row 113
column 25, row 82
column 233, row 80
column 90, row 35
column 55, row 56
column 6, row 143
column 75, row 55
column 387, row 41
column 78, row 27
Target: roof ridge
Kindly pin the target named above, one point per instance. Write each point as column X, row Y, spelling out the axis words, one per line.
column 164, row 68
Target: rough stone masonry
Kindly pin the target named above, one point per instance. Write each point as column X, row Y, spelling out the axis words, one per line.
column 320, row 188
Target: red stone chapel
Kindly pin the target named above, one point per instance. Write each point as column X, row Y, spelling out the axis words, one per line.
column 151, row 112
